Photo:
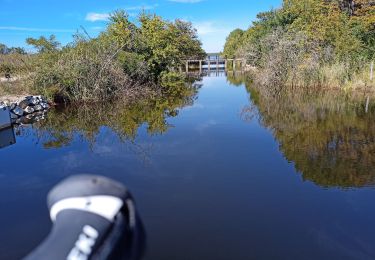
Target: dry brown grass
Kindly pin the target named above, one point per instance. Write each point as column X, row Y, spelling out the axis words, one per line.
column 291, row 60
column 15, row 88
column 15, row 63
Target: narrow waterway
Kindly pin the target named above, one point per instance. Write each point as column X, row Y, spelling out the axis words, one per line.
column 225, row 174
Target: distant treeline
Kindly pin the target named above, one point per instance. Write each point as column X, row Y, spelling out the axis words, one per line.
column 125, row 59
column 11, row 50
column 309, row 42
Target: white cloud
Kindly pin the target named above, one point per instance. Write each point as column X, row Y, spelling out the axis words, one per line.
column 141, row 7
column 186, row 1
column 28, row 29
column 212, row 34
column 204, row 28
column 210, row 27
column 93, row 17
column 203, row 126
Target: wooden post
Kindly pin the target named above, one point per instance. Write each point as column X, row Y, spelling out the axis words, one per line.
column 200, row 66
column 234, row 64
column 217, row 64
column 367, row 103
column 187, row 66
column 225, row 64
column 372, row 71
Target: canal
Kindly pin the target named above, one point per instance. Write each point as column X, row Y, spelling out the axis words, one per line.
column 227, row 173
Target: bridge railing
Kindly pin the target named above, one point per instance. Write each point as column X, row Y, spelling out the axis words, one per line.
column 234, row 64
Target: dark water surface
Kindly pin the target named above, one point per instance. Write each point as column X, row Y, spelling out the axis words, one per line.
column 224, row 174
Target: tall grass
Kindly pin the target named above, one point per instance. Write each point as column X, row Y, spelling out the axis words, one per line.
column 290, row 59
column 85, row 71
column 14, row 63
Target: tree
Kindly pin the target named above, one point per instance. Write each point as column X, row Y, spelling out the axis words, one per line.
column 321, row 33
column 43, row 44
column 3, row 49
column 161, row 44
column 125, row 56
column 17, row 50
column 12, row 50
column 186, row 38
column 123, row 32
column 233, row 43
column 167, row 43
column 364, row 14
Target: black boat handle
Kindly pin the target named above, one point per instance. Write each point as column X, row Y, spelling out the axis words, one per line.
column 93, row 218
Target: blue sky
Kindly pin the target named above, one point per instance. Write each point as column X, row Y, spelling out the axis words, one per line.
column 214, row 19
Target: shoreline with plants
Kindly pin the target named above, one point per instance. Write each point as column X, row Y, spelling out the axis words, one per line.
column 310, row 44
column 128, row 60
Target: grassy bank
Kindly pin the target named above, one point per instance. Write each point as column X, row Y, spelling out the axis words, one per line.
column 128, row 59
column 310, row 43
column 18, row 66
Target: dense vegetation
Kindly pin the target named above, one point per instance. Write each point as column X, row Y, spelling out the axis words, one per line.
column 12, row 50
column 126, row 59
column 309, row 43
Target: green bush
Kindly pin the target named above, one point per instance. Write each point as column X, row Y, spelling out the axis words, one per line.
column 84, row 71
column 123, row 57
column 298, row 43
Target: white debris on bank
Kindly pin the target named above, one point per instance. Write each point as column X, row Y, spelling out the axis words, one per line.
column 12, row 79
column 26, row 111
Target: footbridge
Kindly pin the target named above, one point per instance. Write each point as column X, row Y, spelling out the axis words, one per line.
column 214, row 62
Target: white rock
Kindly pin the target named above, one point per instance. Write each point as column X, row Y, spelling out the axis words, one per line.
column 29, row 110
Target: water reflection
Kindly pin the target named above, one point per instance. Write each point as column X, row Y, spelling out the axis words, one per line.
column 327, row 135
column 64, row 124
column 7, row 137
column 211, row 157
column 237, row 78
column 196, row 73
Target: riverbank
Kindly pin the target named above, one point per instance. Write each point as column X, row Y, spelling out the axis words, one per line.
column 14, row 90
column 314, row 44
column 126, row 59
column 26, row 110
column 12, row 98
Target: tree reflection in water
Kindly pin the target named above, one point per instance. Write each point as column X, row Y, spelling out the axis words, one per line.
column 63, row 125
column 326, row 134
